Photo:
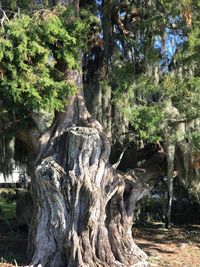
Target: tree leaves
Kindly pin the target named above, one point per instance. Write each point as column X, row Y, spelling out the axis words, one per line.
column 32, row 49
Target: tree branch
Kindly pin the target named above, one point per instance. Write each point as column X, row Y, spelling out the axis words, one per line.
column 3, row 18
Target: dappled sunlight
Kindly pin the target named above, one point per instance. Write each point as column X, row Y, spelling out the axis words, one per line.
column 177, row 247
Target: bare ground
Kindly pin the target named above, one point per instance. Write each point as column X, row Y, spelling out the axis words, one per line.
column 176, row 247
column 12, row 246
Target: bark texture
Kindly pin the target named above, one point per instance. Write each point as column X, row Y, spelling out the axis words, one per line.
column 170, row 169
column 83, row 207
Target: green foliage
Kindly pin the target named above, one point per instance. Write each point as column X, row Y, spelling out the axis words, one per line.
column 143, row 100
column 15, row 4
column 8, row 207
column 141, row 88
column 131, row 97
column 195, row 136
column 35, row 52
column 122, row 77
column 147, row 121
column 188, row 56
column 186, row 97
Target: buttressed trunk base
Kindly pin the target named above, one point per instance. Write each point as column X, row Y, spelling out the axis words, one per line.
column 82, row 217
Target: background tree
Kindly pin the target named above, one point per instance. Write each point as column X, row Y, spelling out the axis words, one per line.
column 149, row 80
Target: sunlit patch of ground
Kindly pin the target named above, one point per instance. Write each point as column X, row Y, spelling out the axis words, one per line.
column 176, row 247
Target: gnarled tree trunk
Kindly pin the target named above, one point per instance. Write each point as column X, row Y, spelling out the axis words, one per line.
column 83, row 206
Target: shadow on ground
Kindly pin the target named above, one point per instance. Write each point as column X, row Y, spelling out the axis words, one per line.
column 13, row 245
column 175, row 247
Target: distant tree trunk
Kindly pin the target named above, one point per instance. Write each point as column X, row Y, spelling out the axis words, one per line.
column 174, row 134
column 170, row 169
column 188, row 170
column 98, row 94
column 98, row 102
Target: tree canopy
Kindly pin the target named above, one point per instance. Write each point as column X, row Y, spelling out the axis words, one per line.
column 145, row 52
column 35, row 48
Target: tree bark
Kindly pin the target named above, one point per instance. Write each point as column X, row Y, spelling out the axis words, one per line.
column 170, row 169
column 83, row 207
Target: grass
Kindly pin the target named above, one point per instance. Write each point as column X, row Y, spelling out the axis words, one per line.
column 8, row 207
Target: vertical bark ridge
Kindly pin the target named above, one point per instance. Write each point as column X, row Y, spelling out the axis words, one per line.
column 51, row 214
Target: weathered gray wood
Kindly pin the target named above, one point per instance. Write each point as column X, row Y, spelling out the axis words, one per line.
column 83, row 213
column 170, row 169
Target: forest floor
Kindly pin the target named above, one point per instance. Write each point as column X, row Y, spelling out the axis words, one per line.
column 176, row 247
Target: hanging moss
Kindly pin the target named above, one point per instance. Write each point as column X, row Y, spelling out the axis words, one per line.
column 7, row 154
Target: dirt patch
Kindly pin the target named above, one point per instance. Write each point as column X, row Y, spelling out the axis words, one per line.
column 176, row 247
column 13, row 246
